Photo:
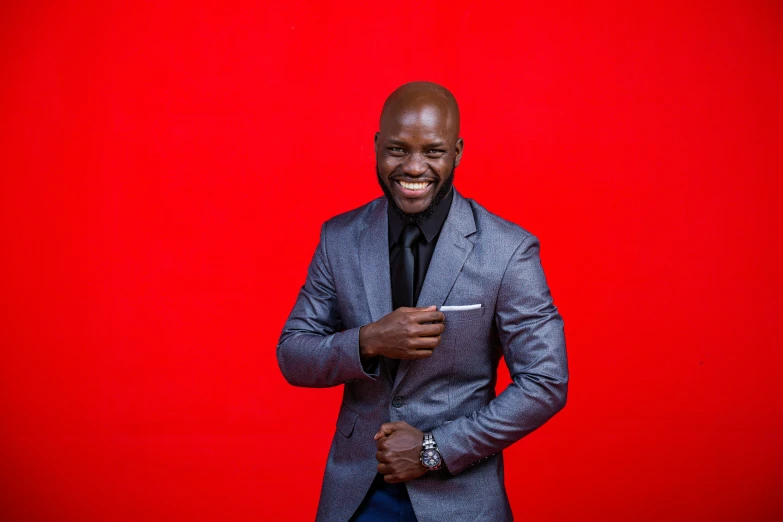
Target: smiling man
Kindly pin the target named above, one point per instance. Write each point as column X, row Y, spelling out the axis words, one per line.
column 409, row 304
column 424, row 116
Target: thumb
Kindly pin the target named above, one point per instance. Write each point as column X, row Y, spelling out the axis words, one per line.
column 428, row 308
column 385, row 430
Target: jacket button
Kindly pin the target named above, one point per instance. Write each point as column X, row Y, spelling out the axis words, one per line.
column 397, row 402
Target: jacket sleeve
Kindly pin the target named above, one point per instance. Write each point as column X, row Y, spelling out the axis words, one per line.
column 314, row 351
column 531, row 334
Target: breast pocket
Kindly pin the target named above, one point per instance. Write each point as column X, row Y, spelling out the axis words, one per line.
column 461, row 328
column 466, row 333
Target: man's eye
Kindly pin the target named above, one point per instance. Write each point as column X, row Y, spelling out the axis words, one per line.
column 395, row 149
column 436, row 151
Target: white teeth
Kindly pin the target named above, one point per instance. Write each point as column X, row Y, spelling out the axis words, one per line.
column 413, row 186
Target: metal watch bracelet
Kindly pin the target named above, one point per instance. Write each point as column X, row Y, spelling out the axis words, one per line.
column 429, row 444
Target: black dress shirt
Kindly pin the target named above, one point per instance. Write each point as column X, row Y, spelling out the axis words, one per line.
column 430, row 229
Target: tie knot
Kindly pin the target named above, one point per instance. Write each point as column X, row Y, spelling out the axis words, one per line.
column 410, row 235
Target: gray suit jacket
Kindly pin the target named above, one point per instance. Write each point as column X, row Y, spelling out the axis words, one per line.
column 479, row 259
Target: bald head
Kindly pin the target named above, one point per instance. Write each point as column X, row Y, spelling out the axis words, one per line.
column 425, row 98
column 418, row 147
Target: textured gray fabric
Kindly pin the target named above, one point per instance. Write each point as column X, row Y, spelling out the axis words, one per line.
column 479, row 258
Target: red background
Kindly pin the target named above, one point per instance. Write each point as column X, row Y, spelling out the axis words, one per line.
column 166, row 170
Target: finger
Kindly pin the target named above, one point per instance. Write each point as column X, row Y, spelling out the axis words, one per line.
column 382, row 457
column 384, row 469
column 427, row 316
column 385, row 430
column 391, row 478
column 415, row 355
column 423, row 343
column 429, row 330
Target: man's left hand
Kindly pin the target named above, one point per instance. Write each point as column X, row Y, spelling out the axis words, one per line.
column 399, row 452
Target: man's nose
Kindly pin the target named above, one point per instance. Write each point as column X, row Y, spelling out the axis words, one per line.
column 414, row 165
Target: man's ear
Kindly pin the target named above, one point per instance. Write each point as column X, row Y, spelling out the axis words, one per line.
column 458, row 148
column 377, row 138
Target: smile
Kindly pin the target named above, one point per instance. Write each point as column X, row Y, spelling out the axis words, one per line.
column 415, row 186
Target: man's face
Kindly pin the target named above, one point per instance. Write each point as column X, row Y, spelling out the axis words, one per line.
column 417, row 149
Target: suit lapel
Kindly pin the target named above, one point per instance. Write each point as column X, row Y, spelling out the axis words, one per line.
column 374, row 260
column 452, row 250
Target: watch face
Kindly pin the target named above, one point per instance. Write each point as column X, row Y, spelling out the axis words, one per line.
column 430, row 458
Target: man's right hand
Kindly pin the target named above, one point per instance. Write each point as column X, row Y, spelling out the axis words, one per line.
column 402, row 334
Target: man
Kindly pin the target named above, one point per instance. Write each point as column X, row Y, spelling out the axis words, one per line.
column 409, row 302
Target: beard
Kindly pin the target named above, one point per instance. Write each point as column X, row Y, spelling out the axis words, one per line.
column 418, row 217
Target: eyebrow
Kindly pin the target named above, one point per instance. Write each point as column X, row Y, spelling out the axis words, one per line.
column 395, row 142
column 435, row 144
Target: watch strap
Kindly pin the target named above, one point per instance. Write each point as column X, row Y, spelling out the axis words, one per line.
column 428, row 443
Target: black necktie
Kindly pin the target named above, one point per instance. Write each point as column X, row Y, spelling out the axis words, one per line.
column 407, row 273
column 404, row 285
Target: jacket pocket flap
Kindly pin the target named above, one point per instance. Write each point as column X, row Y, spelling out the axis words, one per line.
column 346, row 421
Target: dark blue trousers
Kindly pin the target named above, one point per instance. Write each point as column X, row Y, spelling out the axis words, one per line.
column 385, row 503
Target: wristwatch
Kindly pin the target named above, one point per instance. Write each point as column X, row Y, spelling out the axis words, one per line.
column 430, row 456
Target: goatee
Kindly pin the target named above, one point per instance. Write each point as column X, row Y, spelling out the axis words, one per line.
column 414, row 219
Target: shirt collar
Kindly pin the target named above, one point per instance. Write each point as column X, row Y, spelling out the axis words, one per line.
column 429, row 227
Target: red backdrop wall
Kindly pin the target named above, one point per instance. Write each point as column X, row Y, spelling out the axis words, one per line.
column 165, row 170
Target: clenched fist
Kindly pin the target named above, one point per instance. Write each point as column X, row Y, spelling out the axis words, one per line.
column 406, row 333
column 399, row 452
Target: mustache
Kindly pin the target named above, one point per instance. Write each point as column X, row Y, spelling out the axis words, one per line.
column 414, row 219
column 408, row 179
